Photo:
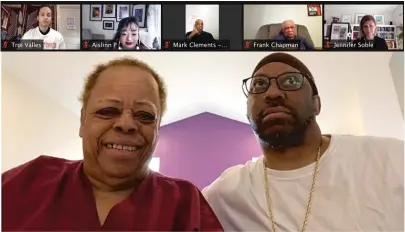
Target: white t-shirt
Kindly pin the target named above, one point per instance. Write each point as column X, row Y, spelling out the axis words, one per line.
column 52, row 40
column 360, row 187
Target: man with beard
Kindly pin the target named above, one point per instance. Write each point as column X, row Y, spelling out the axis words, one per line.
column 306, row 181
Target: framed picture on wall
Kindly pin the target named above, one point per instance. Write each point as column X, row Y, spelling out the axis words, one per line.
column 379, row 19
column 339, row 31
column 346, row 18
column 122, row 12
column 314, row 10
column 108, row 24
column 139, row 12
column 109, row 11
column 95, row 12
column 358, row 18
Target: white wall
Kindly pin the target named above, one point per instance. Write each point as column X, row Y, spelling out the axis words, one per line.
column 397, row 72
column 398, row 15
column 398, row 19
column 71, row 37
column 378, row 100
column 339, row 10
column 208, row 13
column 96, row 27
column 256, row 16
column 33, row 125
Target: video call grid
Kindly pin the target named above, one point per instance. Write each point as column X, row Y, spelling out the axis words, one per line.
column 295, row 26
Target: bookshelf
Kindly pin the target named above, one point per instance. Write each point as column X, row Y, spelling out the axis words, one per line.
column 387, row 32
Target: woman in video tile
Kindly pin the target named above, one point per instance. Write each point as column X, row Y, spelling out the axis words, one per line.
column 368, row 28
column 128, row 36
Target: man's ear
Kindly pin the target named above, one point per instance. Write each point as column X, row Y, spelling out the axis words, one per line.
column 82, row 120
column 317, row 103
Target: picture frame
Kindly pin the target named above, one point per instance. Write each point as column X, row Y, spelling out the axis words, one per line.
column 358, row 17
column 379, row 19
column 314, row 10
column 109, row 11
column 108, row 25
column 346, row 18
column 340, row 31
column 96, row 11
column 139, row 12
column 70, row 23
column 123, row 11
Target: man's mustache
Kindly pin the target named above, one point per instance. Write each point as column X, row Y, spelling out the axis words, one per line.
column 263, row 112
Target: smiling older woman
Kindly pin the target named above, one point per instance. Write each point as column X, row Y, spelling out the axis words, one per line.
column 112, row 188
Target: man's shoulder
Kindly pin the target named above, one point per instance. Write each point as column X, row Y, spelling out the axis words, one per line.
column 371, row 141
column 371, row 149
column 300, row 38
column 206, row 34
column 38, row 168
column 56, row 33
column 229, row 180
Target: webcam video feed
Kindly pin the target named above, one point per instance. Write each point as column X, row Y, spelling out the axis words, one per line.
column 201, row 30
column 40, row 27
column 282, row 27
column 377, row 27
column 126, row 27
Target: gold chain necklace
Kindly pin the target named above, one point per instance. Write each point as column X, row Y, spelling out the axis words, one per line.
column 311, row 193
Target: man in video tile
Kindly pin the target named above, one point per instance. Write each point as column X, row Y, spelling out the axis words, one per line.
column 289, row 32
column 198, row 34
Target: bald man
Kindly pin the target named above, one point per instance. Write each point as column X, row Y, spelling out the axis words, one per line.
column 289, row 32
column 198, row 34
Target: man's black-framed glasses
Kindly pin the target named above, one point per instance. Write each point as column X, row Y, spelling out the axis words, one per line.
column 290, row 81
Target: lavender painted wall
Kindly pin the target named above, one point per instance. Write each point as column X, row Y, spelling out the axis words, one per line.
column 201, row 147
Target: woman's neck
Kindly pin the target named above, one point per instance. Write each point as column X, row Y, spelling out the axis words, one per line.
column 370, row 38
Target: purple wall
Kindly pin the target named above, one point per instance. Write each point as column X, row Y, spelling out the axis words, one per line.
column 201, row 147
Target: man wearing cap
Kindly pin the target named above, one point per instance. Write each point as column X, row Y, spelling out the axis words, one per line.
column 305, row 180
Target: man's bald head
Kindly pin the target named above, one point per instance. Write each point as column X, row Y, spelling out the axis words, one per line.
column 289, row 29
column 199, row 24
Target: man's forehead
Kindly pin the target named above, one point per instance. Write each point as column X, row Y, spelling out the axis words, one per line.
column 274, row 69
column 288, row 23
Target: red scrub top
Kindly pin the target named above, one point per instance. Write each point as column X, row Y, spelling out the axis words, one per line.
column 53, row 194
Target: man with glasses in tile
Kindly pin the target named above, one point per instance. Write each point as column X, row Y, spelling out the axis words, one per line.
column 305, row 180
